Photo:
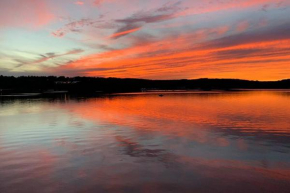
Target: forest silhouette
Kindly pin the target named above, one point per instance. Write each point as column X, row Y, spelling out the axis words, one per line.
column 90, row 85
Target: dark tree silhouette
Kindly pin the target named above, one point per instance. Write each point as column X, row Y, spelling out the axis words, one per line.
column 89, row 85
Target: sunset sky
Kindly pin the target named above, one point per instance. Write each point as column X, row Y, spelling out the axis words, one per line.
column 154, row 39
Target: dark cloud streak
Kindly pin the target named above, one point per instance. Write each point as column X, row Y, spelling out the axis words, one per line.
column 140, row 19
column 281, row 32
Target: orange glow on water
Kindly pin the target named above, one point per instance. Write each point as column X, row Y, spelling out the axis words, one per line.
column 261, row 112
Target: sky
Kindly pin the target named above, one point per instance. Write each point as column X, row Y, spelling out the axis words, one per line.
column 152, row 39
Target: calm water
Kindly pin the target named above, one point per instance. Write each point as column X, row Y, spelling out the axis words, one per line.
column 194, row 142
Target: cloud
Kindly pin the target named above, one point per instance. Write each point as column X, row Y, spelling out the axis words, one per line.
column 75, row 27
column 47, row 56
column 152, row 38
column 79, row 3
column 98, row 2
column 75, row 51
column 237, row 56
column 145, row 18
column 138, row 20
column 242, row 26
column 124, row 33
column 273, row 33
column 124, row 26
column 25, row 13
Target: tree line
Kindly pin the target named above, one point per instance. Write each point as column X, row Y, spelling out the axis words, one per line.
column 112, row 85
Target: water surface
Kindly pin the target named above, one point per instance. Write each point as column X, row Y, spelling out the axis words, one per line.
column 182, row 142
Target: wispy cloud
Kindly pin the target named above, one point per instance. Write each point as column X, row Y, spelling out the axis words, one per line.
column 48, row 56
column 138, row 20
column 75, row 27
column 123, row 33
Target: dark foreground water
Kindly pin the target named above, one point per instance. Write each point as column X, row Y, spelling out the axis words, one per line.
column 190, row 142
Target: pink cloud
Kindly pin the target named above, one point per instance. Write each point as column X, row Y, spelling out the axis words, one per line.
column 25, row 13
column 79, row 3
column 98, row 2
column 242, row 26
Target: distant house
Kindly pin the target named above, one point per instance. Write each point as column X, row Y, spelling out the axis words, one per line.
column 66, row 82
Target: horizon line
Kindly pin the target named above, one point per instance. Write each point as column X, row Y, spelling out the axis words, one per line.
column 204, row 78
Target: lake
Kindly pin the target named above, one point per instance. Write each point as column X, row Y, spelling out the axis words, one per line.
column 200, row 142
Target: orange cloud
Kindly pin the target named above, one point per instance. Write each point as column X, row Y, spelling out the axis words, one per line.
column 221, row 63
column 119, row 34
column 195, row 55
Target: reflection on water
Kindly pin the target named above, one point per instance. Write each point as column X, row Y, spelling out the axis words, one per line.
column 182, row 142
